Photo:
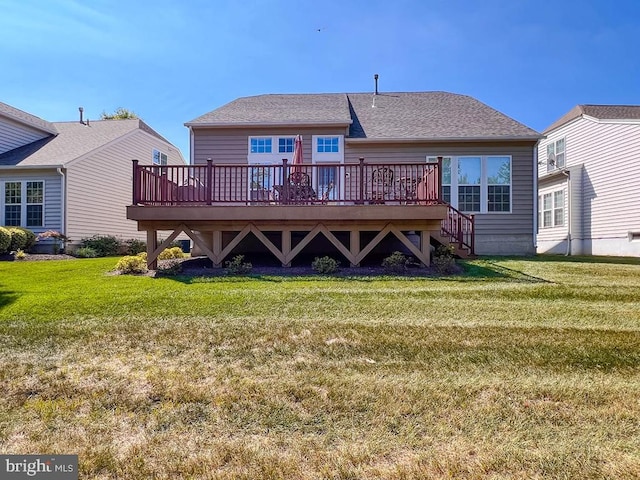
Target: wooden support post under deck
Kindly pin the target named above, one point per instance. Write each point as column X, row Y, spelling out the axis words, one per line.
column 354, row 245
column 152, row 244
column 217, row 247
column 425, row 245
column 286, row 245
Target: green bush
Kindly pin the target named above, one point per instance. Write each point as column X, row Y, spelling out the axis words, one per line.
column 18, row 239
column 86, row 252
column 5, row 240
column 325, row 265
column 133, row 246
column 173, row 252
column 237, row 266
column 20, row 255
column 443, row 260
column 31, row 239
column 397, row 262
column 131, row 264
column 104, row 245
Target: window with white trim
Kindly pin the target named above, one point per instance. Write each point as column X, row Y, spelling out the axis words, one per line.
column 551, row 209
column 481, row 184
column 555, row 155
column 159, row 158
column 260, row 144
column 24, row 204
column 328, row 144
column 285, row 144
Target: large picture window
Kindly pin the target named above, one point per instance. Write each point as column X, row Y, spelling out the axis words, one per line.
column 477, row 184
column 24, row 204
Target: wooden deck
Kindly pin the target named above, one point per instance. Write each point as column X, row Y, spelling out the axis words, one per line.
column 218, row 206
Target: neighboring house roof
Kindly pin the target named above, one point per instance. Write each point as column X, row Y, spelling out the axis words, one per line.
column 601, row 112
column 74, row 140
column 26, row 118
column 382, row 117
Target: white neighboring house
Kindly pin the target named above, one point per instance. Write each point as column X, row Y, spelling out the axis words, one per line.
column 74, row 177
column 589, row 182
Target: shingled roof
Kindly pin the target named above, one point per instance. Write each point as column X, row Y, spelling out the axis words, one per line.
column 601, row 112
column 73, row 140
column 383, row 117
column 26, row 118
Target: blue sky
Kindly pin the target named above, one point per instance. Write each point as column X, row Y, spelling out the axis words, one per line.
column 171, row 61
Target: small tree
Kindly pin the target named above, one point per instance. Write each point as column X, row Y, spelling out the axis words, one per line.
column 119, row 114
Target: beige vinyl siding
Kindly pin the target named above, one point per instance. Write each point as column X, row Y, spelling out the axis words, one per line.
column 52, row 194
column 14, row 135
column 231, row 145
column 610, row 154
column 99, row 186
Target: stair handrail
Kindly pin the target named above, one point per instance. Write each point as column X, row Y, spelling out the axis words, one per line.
column 458, row 227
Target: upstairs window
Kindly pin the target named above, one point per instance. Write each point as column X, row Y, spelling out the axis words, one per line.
column 159, row 158
column 285, row 145
column 555, row 155
column 328, row 145
column 261, row 145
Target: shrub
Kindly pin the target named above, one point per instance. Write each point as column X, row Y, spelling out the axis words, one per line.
column 5, row 240
column 170, row 267
column 57, row 237
column 325, row 265
column 173, row 252
column 31, row 239
column 19, row 255
column 397, row 262
column 18, row 239
column 143, row 255
column 443, row 260
column 131, row 264
column 133, row 246
column 104, row 245
column 86, row 252
column 237, row 266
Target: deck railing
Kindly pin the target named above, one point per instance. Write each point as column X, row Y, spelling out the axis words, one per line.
column 287, row 184
column 458, row 228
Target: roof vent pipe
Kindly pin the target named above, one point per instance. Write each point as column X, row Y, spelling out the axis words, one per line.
column 80, row 109
column 375, row 78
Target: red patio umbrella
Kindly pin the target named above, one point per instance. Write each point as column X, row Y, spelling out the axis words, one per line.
column 296, row 162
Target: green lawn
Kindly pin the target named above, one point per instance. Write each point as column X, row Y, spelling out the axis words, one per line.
column 520, row 368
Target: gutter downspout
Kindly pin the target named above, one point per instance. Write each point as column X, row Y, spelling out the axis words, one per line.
column 568, row 175
column 63, row 200
column 535, row 197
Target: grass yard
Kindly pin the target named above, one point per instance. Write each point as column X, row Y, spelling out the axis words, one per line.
column 519, row 369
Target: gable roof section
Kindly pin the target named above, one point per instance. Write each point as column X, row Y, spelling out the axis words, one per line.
column 26, row 119
column 263, row 110
column 73, row 141
column 395, row 117
column 600, row 112
column 431, row 116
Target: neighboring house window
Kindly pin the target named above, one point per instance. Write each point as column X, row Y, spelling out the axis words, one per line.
column 24, row 204
column 285, row 145
column 328, row 145
column 480, row 183
column 552, row 209
column 555, row 155
column 159, row 158
column 260, row 145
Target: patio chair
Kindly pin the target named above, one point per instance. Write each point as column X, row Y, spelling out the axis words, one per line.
column 381, row 184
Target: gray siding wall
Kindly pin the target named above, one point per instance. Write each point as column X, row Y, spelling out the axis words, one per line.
column 99, row 186
column 496, row 233
column 230, row 145
column 14, row 135
column 609, row 153
column 52, row 194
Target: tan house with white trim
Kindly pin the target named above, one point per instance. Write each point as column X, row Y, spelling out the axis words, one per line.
column 422, row 167
column 589, row 173
column 73, row 177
